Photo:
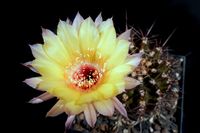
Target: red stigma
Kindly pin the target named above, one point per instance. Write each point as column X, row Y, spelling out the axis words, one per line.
column 85, row 77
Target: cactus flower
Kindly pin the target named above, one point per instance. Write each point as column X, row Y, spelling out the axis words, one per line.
column 85, row 66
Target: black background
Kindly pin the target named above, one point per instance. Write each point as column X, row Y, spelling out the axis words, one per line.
column 26, row 22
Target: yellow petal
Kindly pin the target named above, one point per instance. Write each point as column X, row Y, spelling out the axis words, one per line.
column 119, row 55
column 116, row 77
column 48, row 68
column 38, row 51
column 60, row 89
column 54, row 47
column 107, row 40
column 89, row 37
column 116, row 74
column 43, row 64
column 69, row 37
column 107, row 91
column 105, row 107
column 72, row 109
column 77, row 21
column 87, row 97
column 98, row 20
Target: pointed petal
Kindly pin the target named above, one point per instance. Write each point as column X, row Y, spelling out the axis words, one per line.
column 72, row 109
column 89, row 38
column 29, row 65
column 54, row 48
column 77, row 21
column 90, row 115
column 43, row 64
column 134, row 60
column 58, row 88
column 48, row 68
column 98, row 20
column 68, row 21
column 125, row 35
column 105, row 25
column 131, row 83
column 105, row 107
column 33, row 82
column 107, row 40
column 56, row 109
column 69, row 37
column 119, row 106
column 116, row 77
column 117, row 74
column 69, row 121
column 119, row 55
column 38, row 51
column 36, row 101
column 107, row 91
column 44, row 97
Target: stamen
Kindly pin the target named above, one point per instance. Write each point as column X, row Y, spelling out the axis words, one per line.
column 85, row 77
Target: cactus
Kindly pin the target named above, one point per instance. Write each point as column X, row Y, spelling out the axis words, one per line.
column 152, row 105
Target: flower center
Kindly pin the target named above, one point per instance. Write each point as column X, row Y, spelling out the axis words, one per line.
column 85, row 77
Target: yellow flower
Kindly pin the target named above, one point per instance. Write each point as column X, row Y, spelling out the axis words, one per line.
column 84, row 65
